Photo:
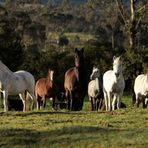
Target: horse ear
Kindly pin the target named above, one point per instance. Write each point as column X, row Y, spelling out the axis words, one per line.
column 94, row 66
column 114, row 58
column 120, row 57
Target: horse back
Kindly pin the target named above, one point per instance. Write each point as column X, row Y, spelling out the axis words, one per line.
column 141, row 84
column 25, row 76
column 40, row 87
column 23, row 80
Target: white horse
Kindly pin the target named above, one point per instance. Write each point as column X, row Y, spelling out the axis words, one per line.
column 141, row 89
column 113, row 85
column 95, row 89
column 16, row 83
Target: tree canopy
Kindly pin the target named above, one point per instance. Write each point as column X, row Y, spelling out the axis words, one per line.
column 29, row 35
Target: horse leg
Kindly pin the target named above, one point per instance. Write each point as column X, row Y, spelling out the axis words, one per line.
column 133, row 99
column 119, row 101
column 71, row 101
column 91, row 100
column 95, row 104
column 106, row 100
column 144, row 102
column 5, row 101
column 23, row 98
column 33, row 98
column 29, row 101
column 114, row 101
column 109, row 95
column 98, row 103
column 67, row 99
column 137, row 100
column 44, row 101
column 38, row 103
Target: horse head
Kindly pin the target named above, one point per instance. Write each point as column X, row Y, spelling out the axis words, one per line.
column 79, row 57
column 50, row 74
column 117, row 66
column 95, row 73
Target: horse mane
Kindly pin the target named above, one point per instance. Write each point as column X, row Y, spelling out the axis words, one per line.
column 5, row 69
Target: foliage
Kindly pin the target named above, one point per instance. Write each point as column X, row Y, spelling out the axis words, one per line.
column 11, row 50
column 26, row 44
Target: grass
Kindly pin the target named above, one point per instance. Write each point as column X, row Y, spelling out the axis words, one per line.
column 121, row 128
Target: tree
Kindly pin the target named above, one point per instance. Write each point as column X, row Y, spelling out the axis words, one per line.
column 66, row 5
column 131, row 19
column 132, row 22
column 11, row 50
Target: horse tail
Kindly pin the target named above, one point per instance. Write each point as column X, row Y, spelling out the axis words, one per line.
column 67, row 96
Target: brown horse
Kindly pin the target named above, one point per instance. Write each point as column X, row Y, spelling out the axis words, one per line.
column 75, row 83
column 45, row 87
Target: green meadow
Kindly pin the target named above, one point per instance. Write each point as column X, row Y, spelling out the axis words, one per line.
column 63, row 129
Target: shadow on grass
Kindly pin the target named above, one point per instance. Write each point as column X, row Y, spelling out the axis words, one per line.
column 32, row 138
column 43, row 112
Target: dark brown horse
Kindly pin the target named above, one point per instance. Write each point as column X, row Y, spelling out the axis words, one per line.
column 75, row 83
column 45, row 87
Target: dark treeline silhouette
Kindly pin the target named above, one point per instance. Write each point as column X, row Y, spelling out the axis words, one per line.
column 33, row 37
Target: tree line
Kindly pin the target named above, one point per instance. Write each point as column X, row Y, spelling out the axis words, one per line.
column 118, row 27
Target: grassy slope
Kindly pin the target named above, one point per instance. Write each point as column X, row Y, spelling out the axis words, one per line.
column 122, row 128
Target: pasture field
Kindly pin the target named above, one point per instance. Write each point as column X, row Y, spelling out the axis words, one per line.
column 72, row 37
column 62, row 129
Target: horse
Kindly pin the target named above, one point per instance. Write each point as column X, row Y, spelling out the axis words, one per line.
column 20, row 83
column 141, row 89
column 113, row 85
column 75, row 82
column 95, row 91
column 45, row 87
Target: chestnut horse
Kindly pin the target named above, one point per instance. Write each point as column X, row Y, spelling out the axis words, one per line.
column 45, row 87
column 75, row 83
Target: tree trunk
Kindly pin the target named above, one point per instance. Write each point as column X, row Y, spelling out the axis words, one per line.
column 133, row 30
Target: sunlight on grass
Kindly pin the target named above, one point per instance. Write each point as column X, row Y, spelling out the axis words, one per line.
column 46, row 128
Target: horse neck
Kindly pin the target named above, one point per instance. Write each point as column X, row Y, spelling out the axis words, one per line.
column 115, row 79
column 5, row 72
column 48, row 80
column 79, row 71
column 49, row 83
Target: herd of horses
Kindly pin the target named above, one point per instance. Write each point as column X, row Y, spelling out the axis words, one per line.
column 104, row 92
